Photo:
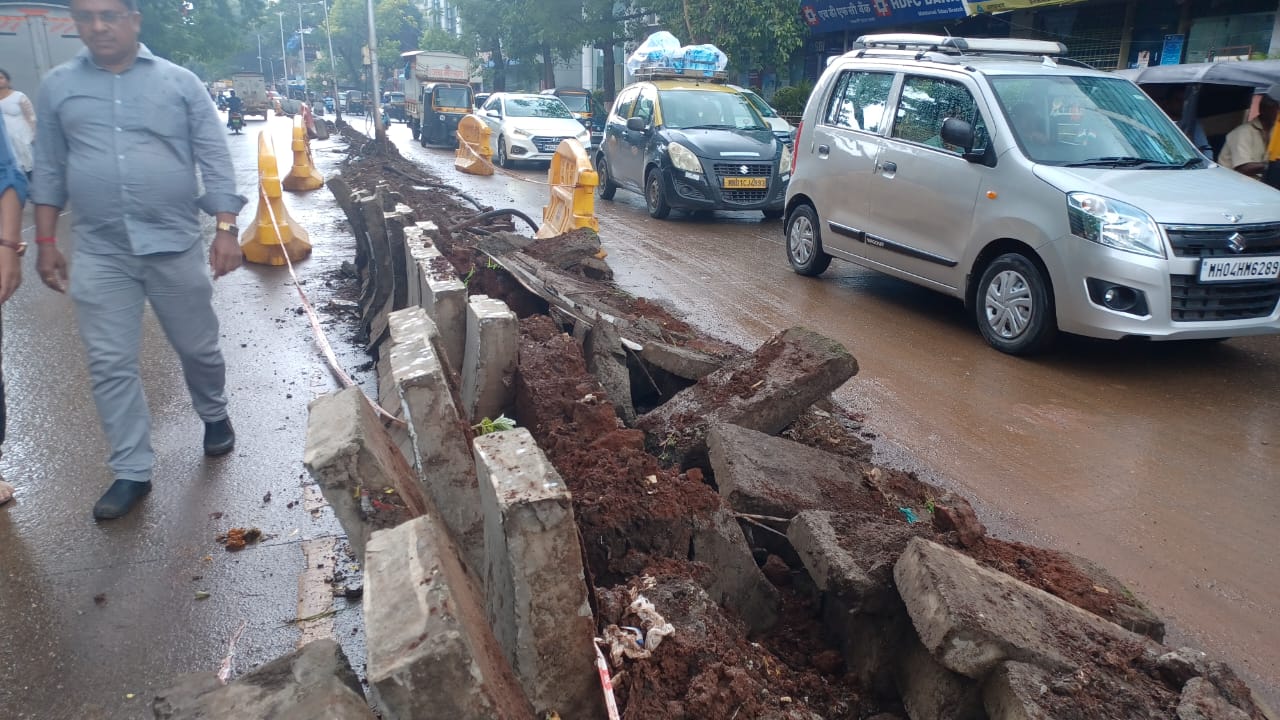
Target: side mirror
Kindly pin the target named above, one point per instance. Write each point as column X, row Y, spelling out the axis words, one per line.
column 636, row 123
column 492, row 114
column 958, row 132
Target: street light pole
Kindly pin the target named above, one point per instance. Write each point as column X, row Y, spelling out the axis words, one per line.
column 333, row 63
column 284, row 55
column 303, row 39
column 260, row 70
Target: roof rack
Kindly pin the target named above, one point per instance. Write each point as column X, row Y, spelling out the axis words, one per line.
column 666, row 72
column 960, row 45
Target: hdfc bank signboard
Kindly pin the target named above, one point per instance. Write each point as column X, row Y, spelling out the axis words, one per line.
column 831, row 15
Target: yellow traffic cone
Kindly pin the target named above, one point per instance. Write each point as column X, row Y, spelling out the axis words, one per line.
column 304, row 175
column 273, row 233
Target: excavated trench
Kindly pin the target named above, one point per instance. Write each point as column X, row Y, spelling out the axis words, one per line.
column 651, row 514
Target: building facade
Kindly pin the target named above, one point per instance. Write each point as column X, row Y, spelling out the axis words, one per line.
column 1108, row 34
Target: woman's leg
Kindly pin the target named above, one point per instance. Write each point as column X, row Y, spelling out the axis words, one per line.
column 10, row 229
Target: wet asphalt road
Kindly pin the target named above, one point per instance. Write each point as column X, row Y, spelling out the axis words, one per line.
column 95, row 617
column 1161, row 462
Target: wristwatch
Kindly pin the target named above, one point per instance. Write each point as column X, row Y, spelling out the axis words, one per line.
column 17, row 246
column 228, row 227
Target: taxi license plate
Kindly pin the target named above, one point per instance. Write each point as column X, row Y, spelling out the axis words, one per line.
column 1239, row 268
column 739, row 183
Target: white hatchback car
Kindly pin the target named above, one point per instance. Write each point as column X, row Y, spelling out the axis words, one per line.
column 529, row 127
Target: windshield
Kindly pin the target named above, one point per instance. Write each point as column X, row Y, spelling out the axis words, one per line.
column 759, row 104
column 702, row 109
column 1091, row 122
column 548, row 107
column 453, row 97
column 576, row 103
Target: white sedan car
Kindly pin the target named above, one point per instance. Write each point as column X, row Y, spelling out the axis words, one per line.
column 529, row 127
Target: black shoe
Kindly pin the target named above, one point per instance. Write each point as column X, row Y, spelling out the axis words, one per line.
column 119, row 499
column 219, row 438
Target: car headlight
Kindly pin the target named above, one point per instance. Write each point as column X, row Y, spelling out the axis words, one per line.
column 1114, row 224
column 584, row 137
column 784, row 165
column 683, row 158
column 518, row 132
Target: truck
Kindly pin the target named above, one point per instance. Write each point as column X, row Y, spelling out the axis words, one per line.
column 437, row 95
column 251, row 88
column 34, row 39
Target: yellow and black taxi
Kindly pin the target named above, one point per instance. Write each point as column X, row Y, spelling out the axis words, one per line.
column 693, row 143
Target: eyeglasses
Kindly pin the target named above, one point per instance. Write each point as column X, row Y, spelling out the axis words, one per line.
column 106, row 17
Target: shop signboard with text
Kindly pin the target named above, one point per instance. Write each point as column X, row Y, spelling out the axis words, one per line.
column 834, row 15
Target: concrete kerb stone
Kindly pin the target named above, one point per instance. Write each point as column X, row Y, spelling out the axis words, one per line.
column 352, row 457
column 972, row 618
column 439, row 436
column 395, row 223
column 315, row 681
column 380, row 281
column 489, row 358
column 735, row 581
column 444, row 297
column 415, row 249
column 431, row 651
column 534, row 580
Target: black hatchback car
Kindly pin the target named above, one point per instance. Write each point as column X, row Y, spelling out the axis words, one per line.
column 694, row 144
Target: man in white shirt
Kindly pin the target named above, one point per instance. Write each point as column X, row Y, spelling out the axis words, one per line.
column 1245, row 150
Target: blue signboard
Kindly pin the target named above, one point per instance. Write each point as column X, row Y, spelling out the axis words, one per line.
column 1171, row 52
column 831, row 15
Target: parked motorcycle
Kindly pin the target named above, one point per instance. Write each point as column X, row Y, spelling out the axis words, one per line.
column 235, row 121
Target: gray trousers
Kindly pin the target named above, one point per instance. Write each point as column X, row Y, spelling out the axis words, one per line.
column 109, row 293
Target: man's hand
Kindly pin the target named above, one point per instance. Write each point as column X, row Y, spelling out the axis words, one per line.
column 224, row 254
column 10, row 273
column 52, row 267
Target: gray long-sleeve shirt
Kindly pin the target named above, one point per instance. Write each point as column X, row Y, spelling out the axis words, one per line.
column 124, row 149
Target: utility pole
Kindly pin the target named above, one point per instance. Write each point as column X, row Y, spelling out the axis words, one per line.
column 379, row 132
column 333, row 63
column 302, row 38
column 260, row 70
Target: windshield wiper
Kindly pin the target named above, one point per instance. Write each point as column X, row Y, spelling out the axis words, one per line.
column 1113, row 161
column 706, row 127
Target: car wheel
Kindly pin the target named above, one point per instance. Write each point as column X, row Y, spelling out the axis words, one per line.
column 654, row 197
column 804, row 242
column 1014, row 306
column 772, row 213
column 503, row 160
column 605, row 187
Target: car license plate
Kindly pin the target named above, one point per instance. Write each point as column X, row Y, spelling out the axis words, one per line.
column 739, row 183
column 1239, row 268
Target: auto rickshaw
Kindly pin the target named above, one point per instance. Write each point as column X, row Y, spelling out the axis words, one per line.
column 584, row 108
column 1220, row 95
column 443, row 107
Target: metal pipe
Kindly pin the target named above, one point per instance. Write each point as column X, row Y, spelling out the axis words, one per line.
column 302, row 38
column 284, row 55
column 333, row 66
column 379, row 132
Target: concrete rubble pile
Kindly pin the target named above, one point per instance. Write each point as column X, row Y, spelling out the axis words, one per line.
column 480, row 584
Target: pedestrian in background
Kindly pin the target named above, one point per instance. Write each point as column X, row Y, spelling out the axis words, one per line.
column 19, row 122
column 13, row 193
column 121, row 135
column 1245, row 150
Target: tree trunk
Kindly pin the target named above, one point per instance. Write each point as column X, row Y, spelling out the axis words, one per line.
column 607, row 69
column 548, row 68
column 499, row 67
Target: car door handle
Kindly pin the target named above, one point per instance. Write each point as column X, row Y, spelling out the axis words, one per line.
column 888, row 166
column 824, row 150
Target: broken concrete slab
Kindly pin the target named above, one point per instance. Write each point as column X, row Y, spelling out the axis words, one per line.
column 852, row 555
column 355, row 462
column 1201, row 700
column 764, row 391
column 684, row 362
column 763, row 474
column 1177, row 667
column 1013, row 692
column 442, row 454
column 607, row 361
column 489, row 359
column 415, row 249
column 313, row 683
column 431, row 651
column 973, row 618
column 735, row 581
column 929, row 691
column 535, row 585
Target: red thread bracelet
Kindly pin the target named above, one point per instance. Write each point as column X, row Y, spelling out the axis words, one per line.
column 46, row 240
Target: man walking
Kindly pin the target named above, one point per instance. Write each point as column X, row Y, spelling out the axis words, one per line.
column 121, row 134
